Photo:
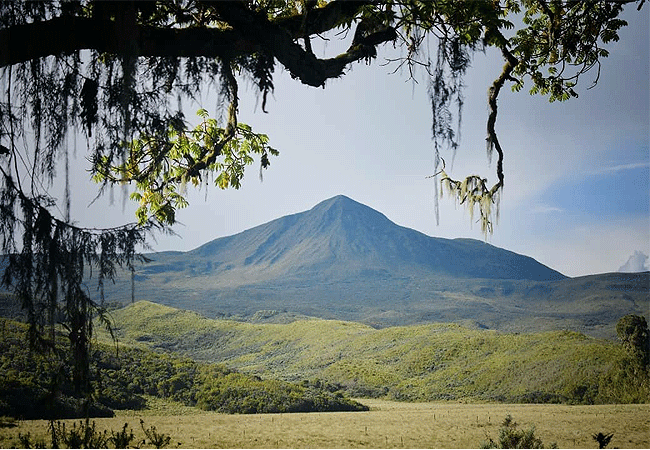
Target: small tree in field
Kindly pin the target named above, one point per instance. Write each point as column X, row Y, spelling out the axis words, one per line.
column 603, row 439
column 511, row 437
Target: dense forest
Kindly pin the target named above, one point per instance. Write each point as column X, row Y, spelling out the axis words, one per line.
column 33, row 386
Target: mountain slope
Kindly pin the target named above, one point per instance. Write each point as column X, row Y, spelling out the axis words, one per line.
column 340, row 238
column 423, row 362
column 344, row 260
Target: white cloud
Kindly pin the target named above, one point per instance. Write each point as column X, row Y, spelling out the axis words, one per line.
column 638, row 262
column 622, row 167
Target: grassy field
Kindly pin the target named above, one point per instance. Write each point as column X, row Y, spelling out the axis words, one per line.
column 386, row 425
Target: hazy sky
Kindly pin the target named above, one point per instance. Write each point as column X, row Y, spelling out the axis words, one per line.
column 577, row 192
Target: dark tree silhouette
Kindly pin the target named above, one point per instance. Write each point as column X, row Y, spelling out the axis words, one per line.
column 603, row 439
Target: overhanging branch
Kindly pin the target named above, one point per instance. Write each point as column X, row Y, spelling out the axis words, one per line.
column 320, row 20
column 22, row 43
column 281, row 44
column 493, row 94
column 250, row 33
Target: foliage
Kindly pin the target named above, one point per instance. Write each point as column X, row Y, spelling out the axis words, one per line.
column 30, row 384
column 82, row 435
column 633, row 331
column 162, row 174
column 122, row 380
column 158, row 440
column 511, row 437
column 26, row 441
column 235, row 393
column 413, row 363
column 119, row 68
column 85, row 434
column 603, row 439
column 48, row 275
column 122, row 438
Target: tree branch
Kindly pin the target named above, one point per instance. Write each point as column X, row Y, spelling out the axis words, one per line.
column 493, row 94
column 280, row 43
column 251, row 32
column 22, row 43
column 320, row 20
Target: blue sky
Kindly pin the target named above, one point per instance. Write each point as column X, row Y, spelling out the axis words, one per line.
column 576, row 194
column 608, row 194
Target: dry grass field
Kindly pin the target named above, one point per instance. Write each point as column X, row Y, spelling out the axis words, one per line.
column 386, row 425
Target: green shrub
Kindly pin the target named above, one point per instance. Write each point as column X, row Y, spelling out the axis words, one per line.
column 25, row 441
column 603, row 439
column 122, row 439
column 511, row 437
column 158, row 440
column 83, row 436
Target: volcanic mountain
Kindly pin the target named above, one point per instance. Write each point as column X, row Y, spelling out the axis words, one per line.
column 341, row 239
column 344, row 260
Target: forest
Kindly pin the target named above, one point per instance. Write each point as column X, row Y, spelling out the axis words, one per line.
column 32, row 386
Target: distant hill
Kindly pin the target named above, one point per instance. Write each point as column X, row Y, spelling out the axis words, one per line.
column 344, row 260
column 420, row 362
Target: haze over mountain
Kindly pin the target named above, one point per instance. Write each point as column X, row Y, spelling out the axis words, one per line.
column 344, row 260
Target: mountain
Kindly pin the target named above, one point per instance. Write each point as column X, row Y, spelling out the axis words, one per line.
column 344, row 260
column 341, row 239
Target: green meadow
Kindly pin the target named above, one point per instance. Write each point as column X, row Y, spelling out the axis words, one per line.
column 386, row 425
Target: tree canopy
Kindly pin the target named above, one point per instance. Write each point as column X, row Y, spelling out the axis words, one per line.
column 632, row 330
column 116, row 72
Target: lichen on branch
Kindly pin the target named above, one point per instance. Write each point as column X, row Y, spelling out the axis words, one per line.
column 160, row 166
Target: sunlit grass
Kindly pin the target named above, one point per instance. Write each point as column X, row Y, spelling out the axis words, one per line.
column 386, row 425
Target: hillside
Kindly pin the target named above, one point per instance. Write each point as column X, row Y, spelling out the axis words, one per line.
column 340, row 238
column 132, row 378
column 423, row 362
column 343, row 260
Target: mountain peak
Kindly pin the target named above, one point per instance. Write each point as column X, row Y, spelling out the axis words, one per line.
column 340, row 198
column 342, row 209
column 341, row 238
column 340, row 203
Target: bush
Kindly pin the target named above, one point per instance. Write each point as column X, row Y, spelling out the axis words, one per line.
column 511, row 437
column 122, row 439
column 158, row 440
column 83, row 436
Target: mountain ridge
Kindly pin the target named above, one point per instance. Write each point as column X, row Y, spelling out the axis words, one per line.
column 344, row 260
column 340, row 231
